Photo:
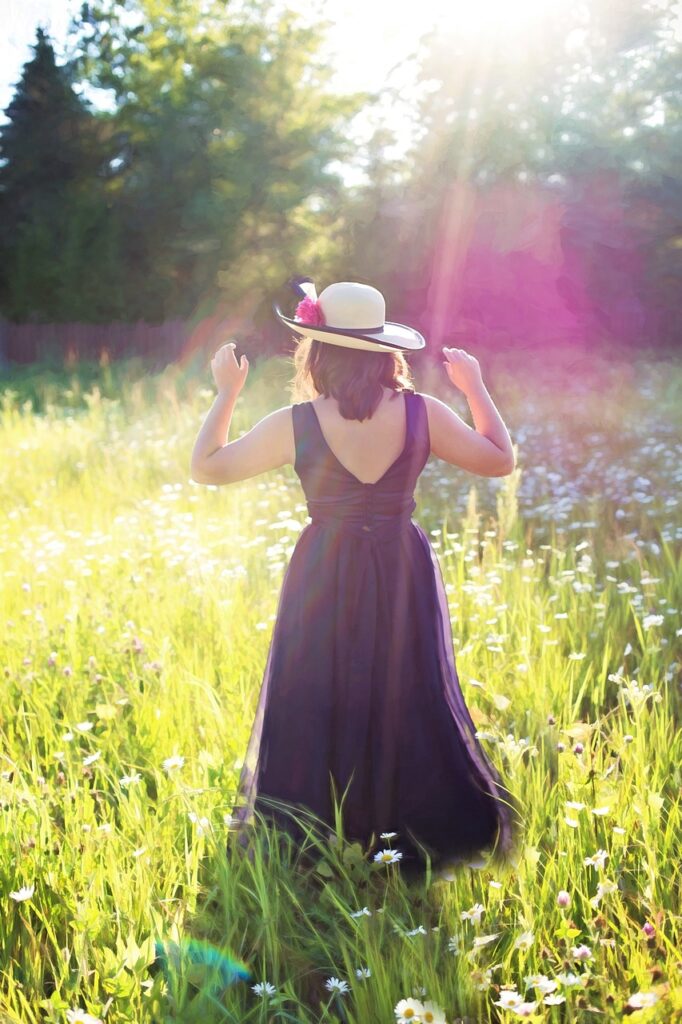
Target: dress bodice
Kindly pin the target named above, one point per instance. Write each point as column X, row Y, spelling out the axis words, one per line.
column 334, row 494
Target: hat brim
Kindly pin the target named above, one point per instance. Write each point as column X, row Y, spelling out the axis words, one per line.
column 394, row 337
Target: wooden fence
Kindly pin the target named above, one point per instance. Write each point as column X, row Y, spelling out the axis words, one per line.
column 30, row 343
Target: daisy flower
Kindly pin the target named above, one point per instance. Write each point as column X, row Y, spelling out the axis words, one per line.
column 24, row 893
column 388, row 856
column 408, row 1010
column 264, row 988
column 78, row 1016
column 336, row 985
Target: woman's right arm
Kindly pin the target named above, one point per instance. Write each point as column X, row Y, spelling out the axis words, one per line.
column 487, row 450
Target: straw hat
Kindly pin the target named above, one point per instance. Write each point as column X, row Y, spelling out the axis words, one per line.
column 348, row 314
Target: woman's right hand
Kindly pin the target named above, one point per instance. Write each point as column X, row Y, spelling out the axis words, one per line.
column 462, row 369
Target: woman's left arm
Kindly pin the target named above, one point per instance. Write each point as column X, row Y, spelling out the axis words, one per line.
column 268, row 445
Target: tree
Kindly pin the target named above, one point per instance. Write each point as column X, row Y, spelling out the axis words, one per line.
column 583, row 117
column 224, row 181
column 55, row 231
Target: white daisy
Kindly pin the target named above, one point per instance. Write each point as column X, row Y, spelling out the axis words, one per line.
column 359, row 913
column 128, row 780
column 264, row 988
column 24, row 893
column 474, row 913
column 176, row 761
column 336, row 985
column 524, row 941
column 638, row 1000
column 597, row 859
column 388, row 856
column 509, row 999
column 79, row 1016
column 408, row 1010
column 432, row 1014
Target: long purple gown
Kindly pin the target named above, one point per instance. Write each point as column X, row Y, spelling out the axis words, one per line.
column 360, row 696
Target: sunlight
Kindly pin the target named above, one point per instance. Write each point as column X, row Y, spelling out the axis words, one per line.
column 485, row 18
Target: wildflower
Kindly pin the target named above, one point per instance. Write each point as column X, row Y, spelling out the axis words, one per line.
column 264, row 988
column 652, row 620
column 596, row 860
column 336, row 985
column 481, row 979
column 84, row 726
column 359, row 913
column 525, row 1009
column 24, row 893
column 473, row 914
column 542, row 982
column 568, row 979
column 581, row 952
column 603, row 888
column 638, row 1000
column 554, row 999
column 79, row 1016
column 176, row 761
column 509, row 999
column 576, row 656
column 563, row 898
column 363, row 972
column 408, row 1010
column 388, row 856
column 648, row 929
column 92, row 757
column 432, row 1014
column 127, row 780
column 483, row 940
column 524, row 941
column 203, row 824
column 388, row 835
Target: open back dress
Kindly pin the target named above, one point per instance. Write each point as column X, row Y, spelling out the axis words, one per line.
column 360, row 697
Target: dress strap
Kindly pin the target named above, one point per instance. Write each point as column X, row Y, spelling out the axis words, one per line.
column 304, row 438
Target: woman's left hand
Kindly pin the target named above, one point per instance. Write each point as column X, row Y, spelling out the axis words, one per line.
column 228, row 374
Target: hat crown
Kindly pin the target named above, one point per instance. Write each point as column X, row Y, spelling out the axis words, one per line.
column 357, row 307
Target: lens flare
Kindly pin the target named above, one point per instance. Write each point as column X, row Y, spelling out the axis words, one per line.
column 198, row 962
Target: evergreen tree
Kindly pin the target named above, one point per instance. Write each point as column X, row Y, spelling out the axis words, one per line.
column 54, row 221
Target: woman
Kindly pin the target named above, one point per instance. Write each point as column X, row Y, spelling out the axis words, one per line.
column 360, row 702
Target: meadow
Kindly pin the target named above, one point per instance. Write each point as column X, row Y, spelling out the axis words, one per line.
column 136, row 611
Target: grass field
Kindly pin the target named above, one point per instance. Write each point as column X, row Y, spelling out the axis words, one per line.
column 137, row 609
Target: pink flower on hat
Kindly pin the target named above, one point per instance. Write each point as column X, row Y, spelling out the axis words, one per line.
column 310, row 312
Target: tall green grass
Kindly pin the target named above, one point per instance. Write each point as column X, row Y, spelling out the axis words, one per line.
column 137, row 609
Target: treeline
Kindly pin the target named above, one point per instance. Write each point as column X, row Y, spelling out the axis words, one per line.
column 540, row 199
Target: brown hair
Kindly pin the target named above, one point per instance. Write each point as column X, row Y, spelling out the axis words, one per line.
column 354, row 377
